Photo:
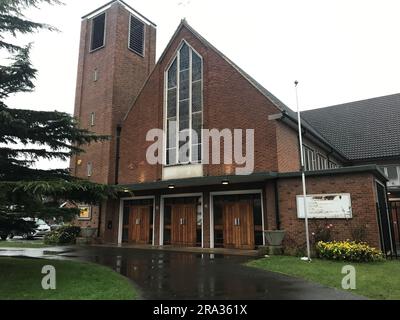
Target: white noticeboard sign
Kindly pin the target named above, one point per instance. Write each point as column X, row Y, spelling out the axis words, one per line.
column 325, row 206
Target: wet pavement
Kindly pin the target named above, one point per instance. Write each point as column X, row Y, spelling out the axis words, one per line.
column 47, row 253
column 173, row 275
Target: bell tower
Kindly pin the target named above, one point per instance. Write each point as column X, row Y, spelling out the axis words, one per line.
column 116, row 55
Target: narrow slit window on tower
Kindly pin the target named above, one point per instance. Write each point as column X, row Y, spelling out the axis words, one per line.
column 136, row 36
column 92, row 119
column 98, row 32
column 89, row 169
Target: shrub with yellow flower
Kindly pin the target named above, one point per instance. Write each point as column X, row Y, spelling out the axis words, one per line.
column 348, row 251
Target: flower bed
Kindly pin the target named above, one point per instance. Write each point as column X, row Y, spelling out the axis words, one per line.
column 348, row 251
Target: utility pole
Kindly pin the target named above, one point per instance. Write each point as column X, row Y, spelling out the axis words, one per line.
column 303, row 175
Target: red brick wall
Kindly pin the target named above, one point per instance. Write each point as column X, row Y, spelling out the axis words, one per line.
column 93, row 222
column 360, row 186
column 288, row 152
column 270, row 206
column 230, row 101
column 144, row 116
column 95, row 97
column 121, row 75
column 109, row 213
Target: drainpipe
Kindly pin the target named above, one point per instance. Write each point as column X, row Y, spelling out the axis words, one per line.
column 277, row 210
column 117, row 154
column 99, row 222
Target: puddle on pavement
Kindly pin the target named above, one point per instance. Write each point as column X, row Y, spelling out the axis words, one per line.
column 180, row 275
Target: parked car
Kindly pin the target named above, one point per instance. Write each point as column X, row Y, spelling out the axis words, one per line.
column 56, row 226
column 41, row 229
column 16, row 226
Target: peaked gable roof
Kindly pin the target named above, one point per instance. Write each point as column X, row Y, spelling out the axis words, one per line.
column 285, row 110
column 362, row 130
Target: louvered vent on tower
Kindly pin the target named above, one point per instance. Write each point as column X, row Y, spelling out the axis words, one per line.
column 98, row 32
column 136, row 36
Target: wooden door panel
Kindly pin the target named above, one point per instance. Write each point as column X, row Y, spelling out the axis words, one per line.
column 183, row 224
column 238, row 225
column 144, row 214
column 175, row 225
column 132, row 224
column 140, row 225
column 228, row 219
column 190, row 226
column 246, row 225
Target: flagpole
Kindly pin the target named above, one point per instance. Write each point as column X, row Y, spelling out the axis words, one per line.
column 303, row 174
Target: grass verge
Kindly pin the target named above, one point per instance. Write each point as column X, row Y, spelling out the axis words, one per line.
column 379, row 280
column 21, row 278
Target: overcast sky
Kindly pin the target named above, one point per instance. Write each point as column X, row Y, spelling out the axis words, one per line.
column 340, row 51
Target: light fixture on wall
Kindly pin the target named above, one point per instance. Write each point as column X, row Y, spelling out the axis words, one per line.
column 225, row 182
column 171, row 186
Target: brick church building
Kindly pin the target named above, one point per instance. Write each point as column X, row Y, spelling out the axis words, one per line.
column 186, row 201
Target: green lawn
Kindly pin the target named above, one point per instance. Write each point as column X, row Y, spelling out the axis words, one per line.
column 20, row 279
column 22, row 244
column 380, row 280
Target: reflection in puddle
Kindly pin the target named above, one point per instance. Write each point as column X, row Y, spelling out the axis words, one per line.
column 180, row 275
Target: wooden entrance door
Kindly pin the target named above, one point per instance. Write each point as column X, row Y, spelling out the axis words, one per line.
column 183, row 225
column 238, row 225
column 140, row 224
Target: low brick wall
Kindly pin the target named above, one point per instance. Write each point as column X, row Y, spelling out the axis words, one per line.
column 361, row 187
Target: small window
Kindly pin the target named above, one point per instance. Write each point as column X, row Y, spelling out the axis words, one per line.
column 89, row 169
column 95, row 75
column 136, row 36
column 322, row 162
column 393, row 173
column 332, row 165
column 309, row 159
column 98, row 32
column 92, row 119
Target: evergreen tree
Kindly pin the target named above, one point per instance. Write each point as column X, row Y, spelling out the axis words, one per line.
column 24, row 190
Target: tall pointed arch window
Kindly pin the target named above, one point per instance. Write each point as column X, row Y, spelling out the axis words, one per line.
column 184, row 107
